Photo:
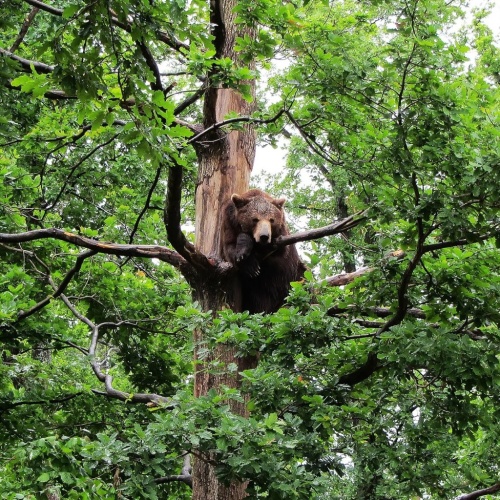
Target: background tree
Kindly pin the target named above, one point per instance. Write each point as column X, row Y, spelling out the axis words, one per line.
column 384, row 387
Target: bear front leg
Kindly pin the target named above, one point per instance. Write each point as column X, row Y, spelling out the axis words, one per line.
column 244, row 246
column 246, row 261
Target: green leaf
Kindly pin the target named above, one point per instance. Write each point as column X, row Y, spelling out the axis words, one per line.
column 70, row 10
column 43, row 478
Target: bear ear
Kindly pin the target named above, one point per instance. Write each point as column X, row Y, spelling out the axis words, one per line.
column 239, row 201
column 279, row 203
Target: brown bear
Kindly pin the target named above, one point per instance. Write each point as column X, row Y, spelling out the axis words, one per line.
column 251, row 222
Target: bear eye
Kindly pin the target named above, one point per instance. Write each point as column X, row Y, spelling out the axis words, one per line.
column 271, row 221
column 255, row 220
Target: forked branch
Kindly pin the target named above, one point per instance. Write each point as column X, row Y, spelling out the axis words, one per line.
column 110, row 391
column 60, row 289
column 183, row 477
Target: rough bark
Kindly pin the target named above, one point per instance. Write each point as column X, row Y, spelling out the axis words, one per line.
column 226, row 161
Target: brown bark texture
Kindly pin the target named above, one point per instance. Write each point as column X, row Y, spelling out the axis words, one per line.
column 226, row 160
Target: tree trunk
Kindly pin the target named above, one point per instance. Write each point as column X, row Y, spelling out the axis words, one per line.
column 226, row 161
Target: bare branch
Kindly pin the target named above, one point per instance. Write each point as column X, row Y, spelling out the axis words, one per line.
column 60, row 289
column 184, row 477
column 146, row 204
column 27, row 64
column 161, row 35
column 145, row 251
column 346, row 278
column 479, row 493
column 170, row 479
column 229, row 121
column 7, row 406
column 24, row 29
column 152, row 399
column 75, row 167
column 314, row 147
column 313, row 234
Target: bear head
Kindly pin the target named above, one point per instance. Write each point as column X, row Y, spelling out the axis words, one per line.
column 260, row 216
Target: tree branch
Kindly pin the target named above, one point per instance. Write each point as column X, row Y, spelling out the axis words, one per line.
column 184, row 477
column 315, row 147
column 379, row 312
column 56, row 95
column 371, row 364
column 367, row 369
column 229, row 121
column 172, row 219
column 456, row 243
column 146, row 204
column 63, row 399
column 150, row 61
column 313, row 234
column 479, row 493
column 190, row 100
column 74, row 168
column 346, row 278
column 27, row 64
column 24, row 29
column 60, row 289
column 144, row 251
column 47, row 8
column 170, row 479
column 152, row 399
column 161, row 35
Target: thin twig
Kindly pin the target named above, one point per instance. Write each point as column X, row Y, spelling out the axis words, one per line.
column 229, row 121
column 60, row 289
column 161, row 35
column 146, row 204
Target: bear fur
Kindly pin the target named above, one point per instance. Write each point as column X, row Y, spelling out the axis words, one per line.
column 251, row 223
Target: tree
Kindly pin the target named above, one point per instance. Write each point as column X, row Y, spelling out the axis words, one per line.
column 378, row 382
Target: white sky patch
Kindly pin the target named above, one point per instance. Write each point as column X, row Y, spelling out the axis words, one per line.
column 269, row 160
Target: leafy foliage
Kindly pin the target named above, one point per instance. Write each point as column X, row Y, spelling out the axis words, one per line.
column 386, row 387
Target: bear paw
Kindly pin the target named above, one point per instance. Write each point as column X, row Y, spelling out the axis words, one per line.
column 250, row 266
column 244, row 246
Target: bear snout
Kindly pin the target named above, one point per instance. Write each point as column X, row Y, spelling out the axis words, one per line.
column 262, row 232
